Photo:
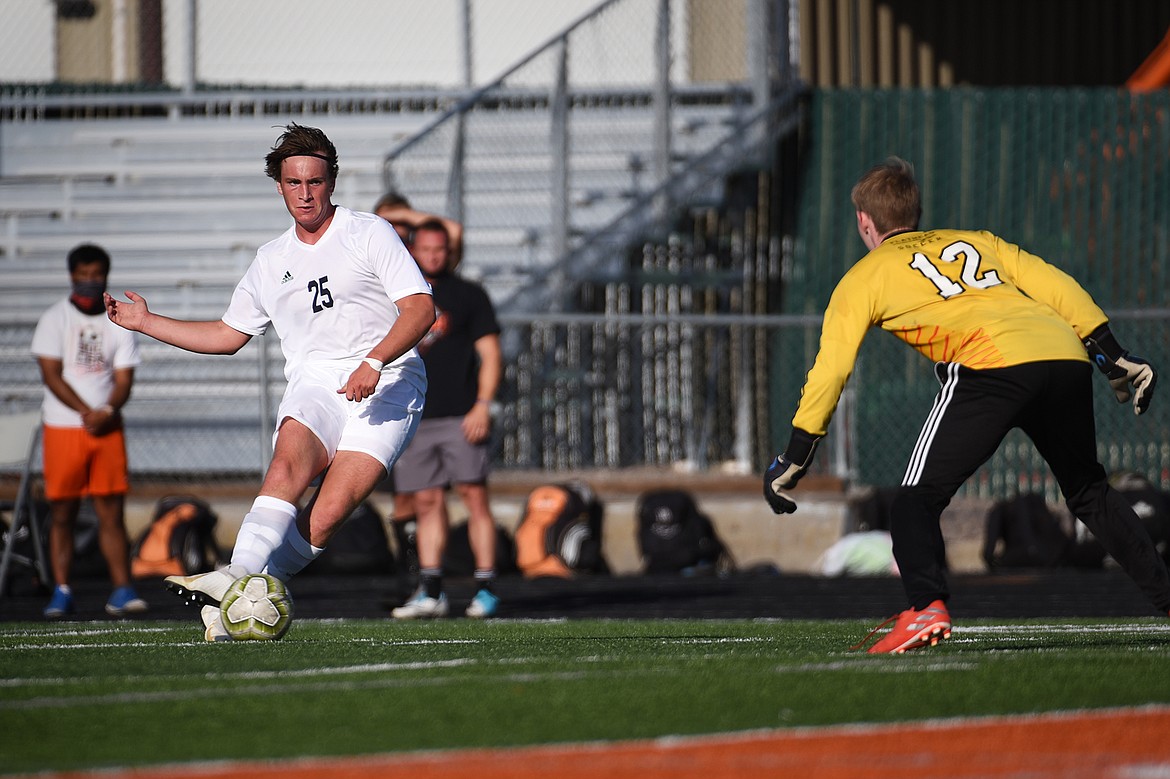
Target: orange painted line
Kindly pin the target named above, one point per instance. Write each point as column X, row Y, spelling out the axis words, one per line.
column 1098, row 744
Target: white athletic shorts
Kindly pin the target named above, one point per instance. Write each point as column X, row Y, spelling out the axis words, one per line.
column 380, row 426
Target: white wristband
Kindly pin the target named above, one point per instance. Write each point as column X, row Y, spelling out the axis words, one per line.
column 375, row 364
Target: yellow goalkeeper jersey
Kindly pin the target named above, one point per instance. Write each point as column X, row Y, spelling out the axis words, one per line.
column 955, row 296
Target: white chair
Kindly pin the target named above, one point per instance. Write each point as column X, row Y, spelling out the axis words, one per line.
column 19, row 435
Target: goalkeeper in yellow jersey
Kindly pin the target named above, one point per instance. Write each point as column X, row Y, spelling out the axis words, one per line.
column 1013, row 340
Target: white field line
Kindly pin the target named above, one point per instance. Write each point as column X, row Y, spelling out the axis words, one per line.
column 61, row 630
column 57, row 645
column 861, row 663
column 1045, row 627
column 63, row 701
column 169, row 696
column 361, row 668
column 882, row 665
column 33, row 681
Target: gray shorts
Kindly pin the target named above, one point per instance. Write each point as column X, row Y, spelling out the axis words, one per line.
column 438, row 456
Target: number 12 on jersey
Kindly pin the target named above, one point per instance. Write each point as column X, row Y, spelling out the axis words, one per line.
column 970, row 276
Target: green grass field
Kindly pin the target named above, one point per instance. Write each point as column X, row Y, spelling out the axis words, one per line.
column 88, row 695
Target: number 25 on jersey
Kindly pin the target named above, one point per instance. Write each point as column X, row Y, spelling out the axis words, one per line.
column 322, row 297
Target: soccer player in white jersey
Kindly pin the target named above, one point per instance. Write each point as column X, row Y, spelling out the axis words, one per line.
column 349, row 304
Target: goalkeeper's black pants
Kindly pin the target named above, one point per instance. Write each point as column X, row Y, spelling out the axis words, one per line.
column 1052, row 403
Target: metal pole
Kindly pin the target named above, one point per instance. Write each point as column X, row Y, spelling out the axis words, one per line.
column 784, row 51
column 662, row 98
column 456, row 188
column 757, row 35
column 455, row 175
column 466, row 53
column 559, row 147
column 119, row 43
column 189, row 70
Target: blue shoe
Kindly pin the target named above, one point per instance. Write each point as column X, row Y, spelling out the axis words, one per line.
column 124, row 600
column 483, row 605
column 61, row 603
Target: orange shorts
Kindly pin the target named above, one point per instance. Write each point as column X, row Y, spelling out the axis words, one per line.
column 78, row 464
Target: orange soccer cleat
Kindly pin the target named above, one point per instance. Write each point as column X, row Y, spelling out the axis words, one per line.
column 913, row 630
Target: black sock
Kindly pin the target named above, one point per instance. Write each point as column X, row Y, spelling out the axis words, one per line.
column 485, row 578
column 431, row 581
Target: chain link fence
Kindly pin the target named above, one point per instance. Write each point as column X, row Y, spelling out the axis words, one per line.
column 1077, row 176
column 604, row 392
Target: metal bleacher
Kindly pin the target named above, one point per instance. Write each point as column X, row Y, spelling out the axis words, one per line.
column 182, row 204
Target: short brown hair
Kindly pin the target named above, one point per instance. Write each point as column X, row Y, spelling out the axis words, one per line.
column 392, row 199
column 296, row 141
column 434, row 226
column 889, row 194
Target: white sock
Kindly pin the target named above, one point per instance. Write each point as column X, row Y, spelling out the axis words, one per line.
column 294, row 553
column 262, row 532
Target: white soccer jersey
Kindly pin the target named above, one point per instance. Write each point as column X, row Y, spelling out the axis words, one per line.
column 90, row 349
column 330, row 302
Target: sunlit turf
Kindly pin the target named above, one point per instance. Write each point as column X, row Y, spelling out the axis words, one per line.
column 85, row 695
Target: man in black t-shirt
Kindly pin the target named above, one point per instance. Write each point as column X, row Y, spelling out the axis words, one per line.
column 450, row 449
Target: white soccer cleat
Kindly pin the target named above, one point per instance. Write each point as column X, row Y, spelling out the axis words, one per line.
column 213, row 629
column 203, row 589
column 421, row 607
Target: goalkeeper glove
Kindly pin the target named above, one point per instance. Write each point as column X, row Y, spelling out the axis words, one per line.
column 1122, row 369
column 787, row 469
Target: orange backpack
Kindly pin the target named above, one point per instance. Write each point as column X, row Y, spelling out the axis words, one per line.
column 180, row 540
column 560, row 532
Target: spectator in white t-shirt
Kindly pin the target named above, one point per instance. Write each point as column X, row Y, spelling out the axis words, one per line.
column 87, row 365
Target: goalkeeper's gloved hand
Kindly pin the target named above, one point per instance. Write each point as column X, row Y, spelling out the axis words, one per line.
column 1122, row 369
column 787, row 469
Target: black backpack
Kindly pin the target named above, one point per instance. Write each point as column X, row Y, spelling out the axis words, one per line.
column 674, row 536
column 179, row 541
column 1023, row 532
column 459, row 559
column 360, row 545
column 1152, row 507
column 559, row 533
column 1151, row 504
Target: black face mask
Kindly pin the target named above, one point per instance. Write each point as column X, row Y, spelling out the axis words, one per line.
column 87, row 296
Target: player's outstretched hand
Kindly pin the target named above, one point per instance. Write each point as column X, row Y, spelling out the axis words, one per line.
column 780, row 473
column 1129, row 376
column 1136, row 372
column 787, row 469
column 130, row 313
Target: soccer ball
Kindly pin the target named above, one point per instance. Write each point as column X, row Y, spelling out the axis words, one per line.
column 256, row 607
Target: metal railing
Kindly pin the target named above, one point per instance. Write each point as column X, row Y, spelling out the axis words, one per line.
column 680, row 392
column 593, row 159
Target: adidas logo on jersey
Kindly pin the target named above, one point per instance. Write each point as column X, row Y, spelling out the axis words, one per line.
column 287, row 277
